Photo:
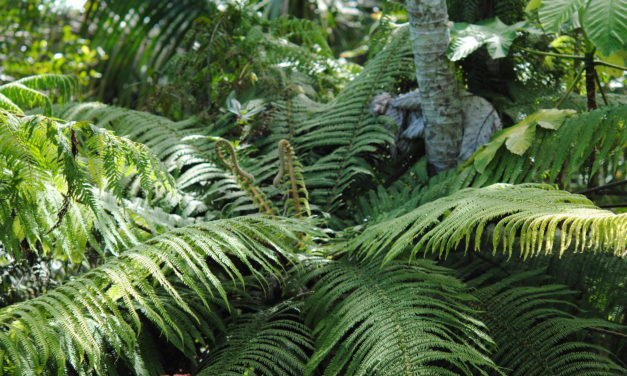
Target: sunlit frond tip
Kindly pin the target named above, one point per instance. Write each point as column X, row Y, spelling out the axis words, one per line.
column 536, row 219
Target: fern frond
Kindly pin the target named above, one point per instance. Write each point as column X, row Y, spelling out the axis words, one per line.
column 185, row 150
column 32, row 91
column 62, row 85
column 583, row 146
column 396, row 320
column 269, row 342
column 565, row 149
column 336, row 141
column 51, row 173
column 161, row 135
column 345, row 130
column 600, row 279
column 382, row 203
column 532, row 214
column 533, row 329
column 107, row 300
column 342, row 130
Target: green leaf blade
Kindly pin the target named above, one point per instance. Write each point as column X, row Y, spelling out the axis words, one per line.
column 553, row 13
column 605, row 22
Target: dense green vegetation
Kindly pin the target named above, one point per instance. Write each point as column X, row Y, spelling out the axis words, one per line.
column 204, row 188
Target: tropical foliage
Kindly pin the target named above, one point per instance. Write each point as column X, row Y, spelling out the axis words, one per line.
column 226, row 203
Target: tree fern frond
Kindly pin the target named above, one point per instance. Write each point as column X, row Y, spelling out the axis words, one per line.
column 7, row 104
column 163, row 136
column 533, row 330
column 183, row 147
column 269, row 342
column 533, row 214
column 26, row 97
column 107, row 300
column 562, row 149
column 396, row 320
column 51, row 173
column 64, row 86
column 32, row 91
column 335, row 141
column 382, row 203
column 599, row 278
column 584, row 144
column 345, row 128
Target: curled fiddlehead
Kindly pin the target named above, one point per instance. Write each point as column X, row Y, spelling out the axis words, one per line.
column 297, row 189
column 244, row 179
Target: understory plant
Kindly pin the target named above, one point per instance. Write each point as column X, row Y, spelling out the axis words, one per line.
column 271, row 238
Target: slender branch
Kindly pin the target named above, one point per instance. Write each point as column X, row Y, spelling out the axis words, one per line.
column 571, row 87
column 596, row 78
column 572, row 57
column 608, row 331
column 609, row 65
column 602, row 187
column 565, row 56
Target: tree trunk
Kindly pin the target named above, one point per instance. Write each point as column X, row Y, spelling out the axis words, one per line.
column 590, row 81
column 441, row 106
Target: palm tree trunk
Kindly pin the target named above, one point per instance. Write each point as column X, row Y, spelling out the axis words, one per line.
column 441, row 106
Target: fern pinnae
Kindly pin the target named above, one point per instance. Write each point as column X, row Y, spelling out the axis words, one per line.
column 33, row 91
column 272, row 341
column 56, row 182
column 125, row 282
column 530, row 321
column 394, row 320
column 529, row 214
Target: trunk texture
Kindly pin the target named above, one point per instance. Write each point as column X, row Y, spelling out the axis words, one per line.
column 591, row 82
column 441, row 105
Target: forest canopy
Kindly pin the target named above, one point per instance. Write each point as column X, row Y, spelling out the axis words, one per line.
column 313, row 187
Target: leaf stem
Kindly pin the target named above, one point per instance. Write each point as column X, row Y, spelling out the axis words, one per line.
column 609, row 65
column 565, row 56
column 596, row 78
column 602, row 187
column 572, row 57
column 608, row 331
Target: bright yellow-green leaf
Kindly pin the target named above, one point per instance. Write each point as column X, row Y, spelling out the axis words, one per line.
column 519, row 138
column 551, row 118
column 533, row 5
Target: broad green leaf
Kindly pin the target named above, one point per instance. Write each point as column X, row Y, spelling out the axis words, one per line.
column 519, row 138
column 605, row 22
column 553, row 13
column 494, row 34
column 551, row 118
